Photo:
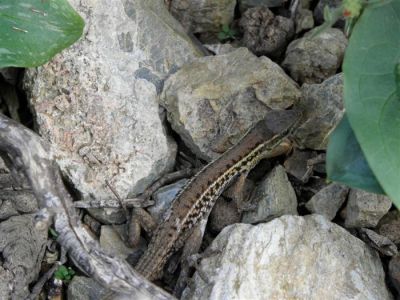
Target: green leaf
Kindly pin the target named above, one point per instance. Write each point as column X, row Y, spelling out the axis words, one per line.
column 397, row 78
column 345, row 161
column 222, row 36
column 370, row 92
column 225, row 28
column 33, row 31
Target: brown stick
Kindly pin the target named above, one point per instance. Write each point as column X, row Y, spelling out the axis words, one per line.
column 32, row 156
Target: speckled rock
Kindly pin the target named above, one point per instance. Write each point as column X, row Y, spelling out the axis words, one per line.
column 389, row 226
column 203, row 16
column 111, row 240
column 290, row 257
column 328, row 201
column 365, row 209
column 323, row 108
column 264, row 33
column 213, row 101
column 97, row 103
column 313, row 59
column 303, row 20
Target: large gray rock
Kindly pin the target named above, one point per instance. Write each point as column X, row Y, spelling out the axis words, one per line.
column 96, row 102
column 274, row 196
column 389, row 226
column 365, row 209
column 289, row 258
column 322, row 105
column 213, row 101
column 328, row 200
column 313, row 59
column 203, row 16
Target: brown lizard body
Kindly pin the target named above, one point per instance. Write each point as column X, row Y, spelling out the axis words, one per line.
column 265, row 140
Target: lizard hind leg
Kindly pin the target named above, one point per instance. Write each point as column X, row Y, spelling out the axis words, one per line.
column 191, row 247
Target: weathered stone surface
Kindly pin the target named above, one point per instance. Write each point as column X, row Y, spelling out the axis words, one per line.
column 22, row 247
column 163, row 199
column 274, row 197
column 6, row 285
column 290, row 258
column 314, row 59
column 378, row 242
column 297, row 166
column 389, row 226
column 13, row 203
column 203, row 16
column 322, row 105
column 303, row 20
column 84, row 288
column 219, row 49
column 245, row 4
column 213, row 101
column 328, row 200
column 110, row 239
column 394, row 272
column 365, row 209
column 264, row 33
column 96, row 102
column 224, row 213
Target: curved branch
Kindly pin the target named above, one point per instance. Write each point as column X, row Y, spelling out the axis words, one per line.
column 32, row 156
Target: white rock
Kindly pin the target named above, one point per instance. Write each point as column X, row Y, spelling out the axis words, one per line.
column 290, row 257
column 97, row 101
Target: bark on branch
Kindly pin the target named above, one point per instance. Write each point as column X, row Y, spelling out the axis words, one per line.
column 30, row 155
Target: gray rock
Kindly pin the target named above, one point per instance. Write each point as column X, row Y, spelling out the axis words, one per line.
column 290, row 257
column 13, row 203
column 313, row 59
column 22, row 248
column 304, row 20
column 110, row 239
column 213, row 101
column 108, row 215
column 378, row 242
column 6, row 283
column 389, row 226
column 322, row 106
column 328, row 200
column 394, row 272
column 84, row 288
column 264, row 33
column 203, row 16
column 224, row 213
column 163, row 198
column 365, row 209
column 96, row 102
column 297, row 164
column 274, row 197
column 245, row 4
column 219, row 49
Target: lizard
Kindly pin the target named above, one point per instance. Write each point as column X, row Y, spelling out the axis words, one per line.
column 267, row 139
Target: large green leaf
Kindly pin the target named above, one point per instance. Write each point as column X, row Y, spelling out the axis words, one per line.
column 346, row 162
column 33, row 31
column 370, row 91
